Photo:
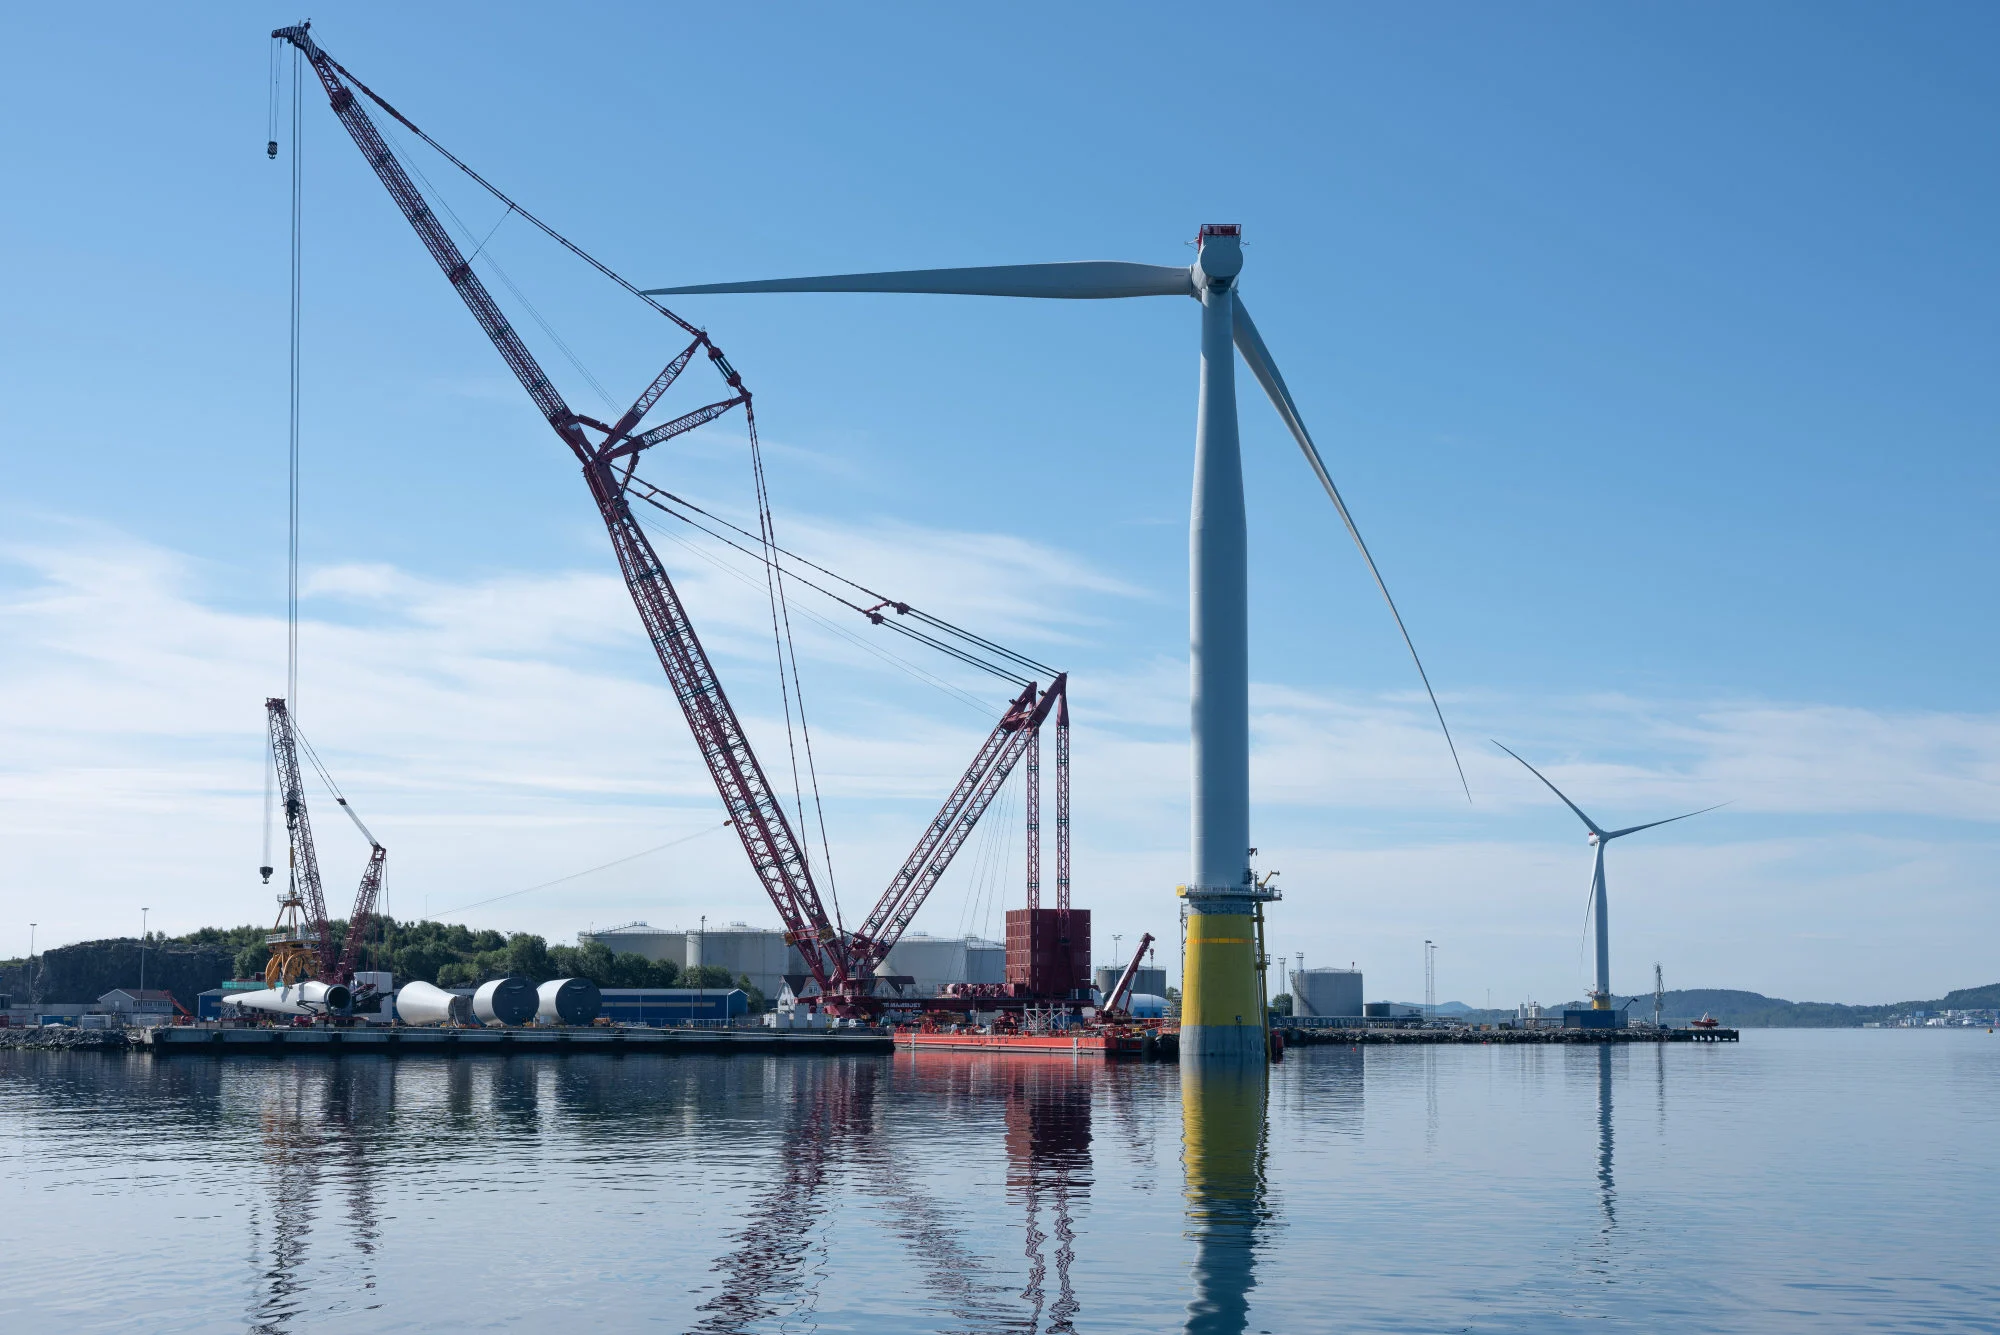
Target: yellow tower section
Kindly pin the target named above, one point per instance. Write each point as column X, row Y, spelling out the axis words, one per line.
column 1222, row 987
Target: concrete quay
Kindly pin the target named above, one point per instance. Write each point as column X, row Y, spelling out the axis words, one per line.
column 597, row 1040
column 1357, row 1035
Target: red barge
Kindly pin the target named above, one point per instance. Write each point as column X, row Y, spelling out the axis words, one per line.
column 1088, row 1042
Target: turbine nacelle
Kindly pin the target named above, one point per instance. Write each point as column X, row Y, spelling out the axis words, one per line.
column 1220, row 251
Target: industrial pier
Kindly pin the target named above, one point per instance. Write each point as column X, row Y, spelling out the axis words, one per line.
column 286, row 1040
column 1301, row 1036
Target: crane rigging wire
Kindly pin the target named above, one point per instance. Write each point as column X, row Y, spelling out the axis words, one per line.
column 982, row 707
column 790, row 686
column 774, row 587
column 881, row 599
column 666, row 507
column 591, row 871
column 292, row 478
column 796, row 897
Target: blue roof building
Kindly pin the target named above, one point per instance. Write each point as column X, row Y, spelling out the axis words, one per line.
column 665, row 1006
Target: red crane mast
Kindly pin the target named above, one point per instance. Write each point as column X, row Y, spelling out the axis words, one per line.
column 841, row 964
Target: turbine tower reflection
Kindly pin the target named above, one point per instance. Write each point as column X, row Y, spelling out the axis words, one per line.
column 1222, row 1146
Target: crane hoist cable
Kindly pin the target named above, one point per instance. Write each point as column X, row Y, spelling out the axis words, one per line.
column 665, row 501
column 790, row 688
column 984, row 708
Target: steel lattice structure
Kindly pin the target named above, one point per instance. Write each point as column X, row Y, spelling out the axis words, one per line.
column 842, row 964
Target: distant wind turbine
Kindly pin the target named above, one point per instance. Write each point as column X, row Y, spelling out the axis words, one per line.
column 1600, row 999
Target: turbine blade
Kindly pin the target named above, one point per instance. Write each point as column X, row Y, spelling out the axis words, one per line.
column 1251, row 344
column 1087, row 280
column 1634, row 829
column 1588, row 823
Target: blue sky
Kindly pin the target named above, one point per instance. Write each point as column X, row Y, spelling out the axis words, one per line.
column 1652, row 347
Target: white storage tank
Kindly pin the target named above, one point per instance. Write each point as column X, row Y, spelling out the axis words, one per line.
column 985, row 961
column 1149, row 979
column 421, row 1003
column 506, row 1001
column 568, row 1001
column 932, row 960
column 759, row 952
column 1326, row 992
column 638, row 938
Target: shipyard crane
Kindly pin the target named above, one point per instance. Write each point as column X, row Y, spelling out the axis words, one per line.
column 302, row 944
column 841, row 963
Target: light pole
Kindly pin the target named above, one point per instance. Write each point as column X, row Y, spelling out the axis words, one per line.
column 143, row 911
column 34, row 989
column 1430, row 979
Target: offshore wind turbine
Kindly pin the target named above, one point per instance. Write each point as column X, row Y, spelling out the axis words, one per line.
column 1600, row 998
column 1220, row 1007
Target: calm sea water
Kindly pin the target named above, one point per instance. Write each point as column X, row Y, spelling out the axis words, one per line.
column 1797, row 1181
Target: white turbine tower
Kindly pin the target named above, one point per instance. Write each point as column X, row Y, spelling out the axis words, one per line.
column 1600, row 999
column 1220, row 1012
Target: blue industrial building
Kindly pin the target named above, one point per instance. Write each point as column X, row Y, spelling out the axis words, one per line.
column 662, row 1006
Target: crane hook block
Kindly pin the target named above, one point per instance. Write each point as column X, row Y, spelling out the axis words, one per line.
column 266, row 871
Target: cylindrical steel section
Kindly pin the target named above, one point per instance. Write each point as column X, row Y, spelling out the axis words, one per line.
column 1219, row 626
column 308, row 998
column 568, row 1001
column 505, row 1001
column 420, row 1003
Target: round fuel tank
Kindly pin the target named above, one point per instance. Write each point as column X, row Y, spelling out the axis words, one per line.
column 568, row 1001
column 420, row 1003
column 505, row 1001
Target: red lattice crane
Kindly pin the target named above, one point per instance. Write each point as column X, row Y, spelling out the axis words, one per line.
column 306, row 948
column 841, row 964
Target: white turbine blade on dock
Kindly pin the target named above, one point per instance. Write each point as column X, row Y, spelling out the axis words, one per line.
column 1084, row 280
column 1634, row 829
column 1588, row 823
column 1251, row 345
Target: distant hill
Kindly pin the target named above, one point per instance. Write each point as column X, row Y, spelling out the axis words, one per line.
column 1750, row 1010
column 1753, row 1010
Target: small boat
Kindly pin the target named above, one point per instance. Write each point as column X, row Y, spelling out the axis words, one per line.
column 1706, row 1021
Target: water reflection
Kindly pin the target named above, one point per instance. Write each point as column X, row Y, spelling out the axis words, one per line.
column 1048, row 1168
column 1222, row 1144
column 314, row 1121
column 771, row 1268
column 1607, row 1190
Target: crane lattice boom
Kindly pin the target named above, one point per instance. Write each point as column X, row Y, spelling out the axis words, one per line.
column 841, row 964
column 298, row 828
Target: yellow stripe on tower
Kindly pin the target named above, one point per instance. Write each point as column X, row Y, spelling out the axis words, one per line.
column 1220, row 986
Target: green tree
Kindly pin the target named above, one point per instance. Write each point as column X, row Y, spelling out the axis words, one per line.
column 458, row 973
column 251, row 959
column 528, row 955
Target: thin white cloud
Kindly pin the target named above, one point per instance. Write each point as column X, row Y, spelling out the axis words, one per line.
column 506, row 730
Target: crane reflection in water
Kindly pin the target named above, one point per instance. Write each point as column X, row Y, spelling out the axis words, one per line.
column 313, row 1121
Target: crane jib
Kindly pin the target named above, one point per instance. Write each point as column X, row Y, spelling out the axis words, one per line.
column 841, row 964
